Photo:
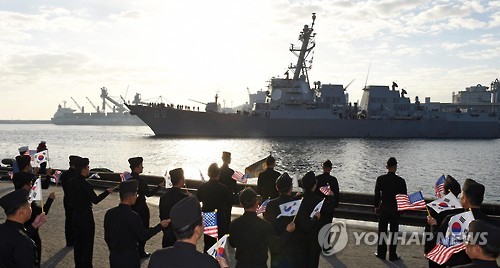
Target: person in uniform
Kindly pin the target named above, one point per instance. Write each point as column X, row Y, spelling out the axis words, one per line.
column 171, row 197
column 326, row 179
column 16, row 248
column 471, row 199
column 435, row 219
column 187, row 225
column 23, row 180
column 123, row 228
column 386, row 189
column 140, row 205
column 216, row 196
column 308, row 227
column 483, row 253
column 22, row 150
column 266, row 182
column 68, row 211
column 289, row 257
column 82, row 197
column 226, row 173
column 253, row 236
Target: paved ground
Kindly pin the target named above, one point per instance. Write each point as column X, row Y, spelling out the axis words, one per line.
column 55, row 254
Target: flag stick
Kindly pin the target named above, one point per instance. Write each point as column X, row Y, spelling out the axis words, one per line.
column 297, row 210
column 41, row 196
column 217, row 238
column 428, row 212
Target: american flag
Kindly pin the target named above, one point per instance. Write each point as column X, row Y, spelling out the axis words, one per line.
column 125, row 176
column 439, row 187
column 210, row 224
column 239, row 177
column 441, row 254
column 262, row 207
column 56, row 176
column 325, row 189
column 413, row 201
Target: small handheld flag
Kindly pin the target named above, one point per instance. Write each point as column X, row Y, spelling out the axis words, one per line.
column 11, row 174
column 290, row 208
column 56, row 176
column 325, row 189
column 262, row 207
column 444, row 203
column 413, row 201
column 458, row 227
column 125, row 176
column 439, row 187
column 218, row 248
column 239, row 177
column 36, row 191
column 210, row 224
column 317, row 208
column 41, row 157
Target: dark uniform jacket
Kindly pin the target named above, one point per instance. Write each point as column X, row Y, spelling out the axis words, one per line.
column 324, row 180
column 83, row 195
column 143, row 189
column 307, row 228
column 181, row 255
column 33, row 233
column 122, row 229
column 215, row 195
column 17, row 250
column 386, row 189
column 289, row 256
column 252, row 236
column 65, row 177
column 266, row 184
column 226, row 178
column 479, row 264
column 171, row 197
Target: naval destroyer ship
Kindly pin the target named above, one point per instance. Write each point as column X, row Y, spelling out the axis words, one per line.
column 292, row 108
column 117, row 116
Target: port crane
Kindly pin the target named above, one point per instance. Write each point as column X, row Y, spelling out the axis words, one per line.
column 105, row 97
column 96, row 108
column 82, row 109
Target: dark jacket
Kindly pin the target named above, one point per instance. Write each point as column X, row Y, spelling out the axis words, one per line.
column 386, row 189
column 181, row 255
column 226, row 178
column 266, row 184
column 252, row 236
column 16, row 248
column 171, row 197
column 122, row 229
column 215, row 195
column 289, row 256
column 324, row 180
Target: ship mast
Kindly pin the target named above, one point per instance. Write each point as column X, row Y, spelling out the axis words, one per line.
column 305, row 36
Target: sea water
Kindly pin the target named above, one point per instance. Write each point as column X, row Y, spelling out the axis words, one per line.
column 357, row 162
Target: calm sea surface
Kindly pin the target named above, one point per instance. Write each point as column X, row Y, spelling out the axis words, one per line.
column 357, row 161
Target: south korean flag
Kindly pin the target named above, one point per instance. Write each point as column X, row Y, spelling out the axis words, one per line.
column 458, row 228
column 447, row 202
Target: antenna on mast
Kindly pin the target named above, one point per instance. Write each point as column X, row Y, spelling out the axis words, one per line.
column 369, row 66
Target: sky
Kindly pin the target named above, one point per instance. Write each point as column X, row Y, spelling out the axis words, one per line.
column 193, row 49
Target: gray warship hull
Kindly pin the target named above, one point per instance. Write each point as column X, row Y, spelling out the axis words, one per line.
column 110, row 119
column 173, row 122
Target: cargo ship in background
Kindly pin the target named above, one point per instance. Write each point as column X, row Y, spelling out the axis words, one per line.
column 292, row 108
column 117, row 115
